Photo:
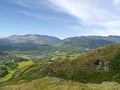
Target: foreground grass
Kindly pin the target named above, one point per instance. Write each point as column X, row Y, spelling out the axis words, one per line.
column 50, row 83
column 11, row 72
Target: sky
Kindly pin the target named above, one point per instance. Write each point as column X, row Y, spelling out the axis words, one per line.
column 60, row 18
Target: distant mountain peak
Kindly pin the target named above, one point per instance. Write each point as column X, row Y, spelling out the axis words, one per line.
column 35, row 38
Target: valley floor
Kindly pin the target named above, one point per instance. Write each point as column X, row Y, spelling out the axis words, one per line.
column 51, row 83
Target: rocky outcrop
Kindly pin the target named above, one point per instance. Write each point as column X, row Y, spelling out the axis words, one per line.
column 98, row 65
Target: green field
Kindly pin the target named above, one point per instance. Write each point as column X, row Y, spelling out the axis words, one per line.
column 20, row 65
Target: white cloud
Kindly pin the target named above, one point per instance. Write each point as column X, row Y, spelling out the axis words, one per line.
column 116, row 2
column 82, row 9
column 90, row 14
column 105, row 32
column 39, row 9
column 73, row 7
column 101, row 13
column 100, row 32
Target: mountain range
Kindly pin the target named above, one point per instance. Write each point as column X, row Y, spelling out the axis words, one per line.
column 45, row 39
column 42, row 46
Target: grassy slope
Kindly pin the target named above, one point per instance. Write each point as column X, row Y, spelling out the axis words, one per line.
column 90, row 67
column 24, row 63
column 76, row 69
column 50, row 83
column 11, row 72
column 106, row 54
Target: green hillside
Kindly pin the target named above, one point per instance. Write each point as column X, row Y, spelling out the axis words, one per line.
column 82, row 44
column 97, row 66
column 12, row 71
column 102, row 64
column 9, row 63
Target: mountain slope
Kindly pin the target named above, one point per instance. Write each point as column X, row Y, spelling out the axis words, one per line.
column 112, row 38
column 102, row 64
column 81, row 44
